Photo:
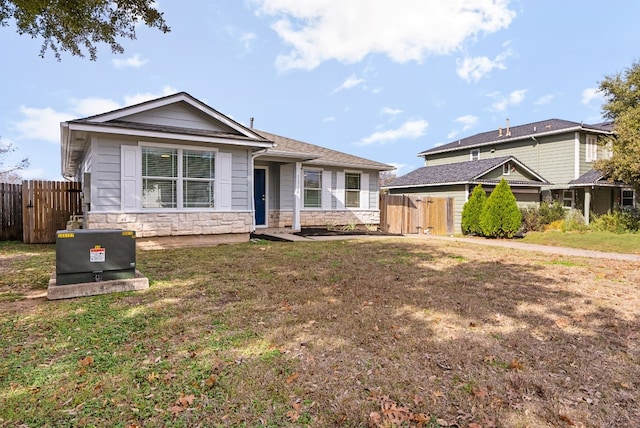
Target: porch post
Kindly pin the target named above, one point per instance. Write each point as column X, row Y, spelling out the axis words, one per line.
column 587, row 204
column 297, row 196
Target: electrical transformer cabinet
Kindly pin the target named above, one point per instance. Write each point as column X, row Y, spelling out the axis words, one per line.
column 91, row 255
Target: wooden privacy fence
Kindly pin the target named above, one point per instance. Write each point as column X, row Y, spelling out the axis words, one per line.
column 46, row 208
column 416, row 214
column 11, row 212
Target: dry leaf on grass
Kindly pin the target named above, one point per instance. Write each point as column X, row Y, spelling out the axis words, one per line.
column 86, row 361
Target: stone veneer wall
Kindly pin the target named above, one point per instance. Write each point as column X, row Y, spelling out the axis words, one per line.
column 173, row 224
column 323, row 218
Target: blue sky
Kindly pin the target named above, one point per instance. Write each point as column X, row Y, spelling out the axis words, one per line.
column 375, row 78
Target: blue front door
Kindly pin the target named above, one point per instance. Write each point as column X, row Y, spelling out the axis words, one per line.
column 260, row 196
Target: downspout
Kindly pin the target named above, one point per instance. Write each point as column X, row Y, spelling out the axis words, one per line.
column 252, row 198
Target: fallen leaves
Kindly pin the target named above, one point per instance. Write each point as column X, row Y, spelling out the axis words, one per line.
column 181, row 404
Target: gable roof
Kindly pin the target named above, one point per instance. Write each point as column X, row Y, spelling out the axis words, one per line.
column 469, row 172
column 75, row 134
column 316, row 155
column 534, row 129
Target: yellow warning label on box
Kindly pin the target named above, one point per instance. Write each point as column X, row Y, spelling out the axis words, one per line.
column 66, row 235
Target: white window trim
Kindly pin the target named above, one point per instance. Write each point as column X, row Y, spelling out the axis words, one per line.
column 359, row 192
column 573, row 198
column 633, row 197
column 508, row 168
column 218, row 204
column 591, row 148
column 471, row 157
column 321, row 189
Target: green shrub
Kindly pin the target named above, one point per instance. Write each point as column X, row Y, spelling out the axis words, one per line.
column 550, row 212
column 472, row 210
column 537, row 218
column 574, row 222
column 622, row 221
column 500, row 217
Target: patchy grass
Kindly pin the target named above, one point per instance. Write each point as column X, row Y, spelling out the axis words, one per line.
column 628, row 243
column 339, row 333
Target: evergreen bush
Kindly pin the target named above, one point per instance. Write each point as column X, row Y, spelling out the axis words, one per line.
column 500, row 217
column 472, row 210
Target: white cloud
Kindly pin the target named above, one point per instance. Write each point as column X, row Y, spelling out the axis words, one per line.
column 591, row 94
column 391, row 111
column 406, row 30
column 513, row 99
column 44, row 123
column 351, row 82
column 133, row 62
column 545, row 99
column 474, row 69
column 41, row 123
column 146, row 96
column 246, row 39
column 411, row 129
column 329, row 119
column 467, row 121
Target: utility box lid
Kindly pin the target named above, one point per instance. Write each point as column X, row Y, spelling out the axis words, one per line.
column 90, row 251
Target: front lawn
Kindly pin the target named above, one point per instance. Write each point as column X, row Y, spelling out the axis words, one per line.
column 628, row 243
column 322, row 334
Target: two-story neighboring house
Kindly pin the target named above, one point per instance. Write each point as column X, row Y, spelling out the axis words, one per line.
column 550, row 160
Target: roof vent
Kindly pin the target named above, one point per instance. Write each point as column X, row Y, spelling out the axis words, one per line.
column 508, row 132
column 500, row 131
column 548, row 126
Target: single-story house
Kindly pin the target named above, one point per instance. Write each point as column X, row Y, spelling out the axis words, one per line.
column 174, row 166
column 457, row 180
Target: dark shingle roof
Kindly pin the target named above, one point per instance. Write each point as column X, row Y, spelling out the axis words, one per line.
column 320, row 155
column 594, row 177
column 456, row 173
column 545, row 127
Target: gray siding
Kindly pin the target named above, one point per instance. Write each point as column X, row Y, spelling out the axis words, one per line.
column 374, row 190
column 240, row 179
column 179, row 115
column 105, row 175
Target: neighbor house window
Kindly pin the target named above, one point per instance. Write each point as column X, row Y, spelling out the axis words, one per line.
column 352, row 184
column 591, row 149
column 568, row 198
column 508, row 168
column 474, row 154
column 628, row 198
column 168, row 172
column 312, row 188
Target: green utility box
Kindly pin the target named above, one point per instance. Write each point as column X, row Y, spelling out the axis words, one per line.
column 87, row 255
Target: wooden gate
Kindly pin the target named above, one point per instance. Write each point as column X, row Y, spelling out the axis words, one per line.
column 46, row 208
column 416, row 214
column 10, row 212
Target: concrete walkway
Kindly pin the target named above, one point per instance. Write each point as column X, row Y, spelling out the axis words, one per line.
column 506, row 243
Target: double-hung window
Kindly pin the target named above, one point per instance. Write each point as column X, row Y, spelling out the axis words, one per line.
column 474, row 154
column 198, row 171
column 177, row 178
column 159, row 177
column 627, row 199
column 568, row 198
column 312, row 188
column 352, row 186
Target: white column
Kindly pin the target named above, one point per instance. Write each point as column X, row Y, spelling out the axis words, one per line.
column 587, row 204
column 297, row 196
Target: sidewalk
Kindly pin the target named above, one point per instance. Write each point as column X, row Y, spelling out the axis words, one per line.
column 510, row 243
